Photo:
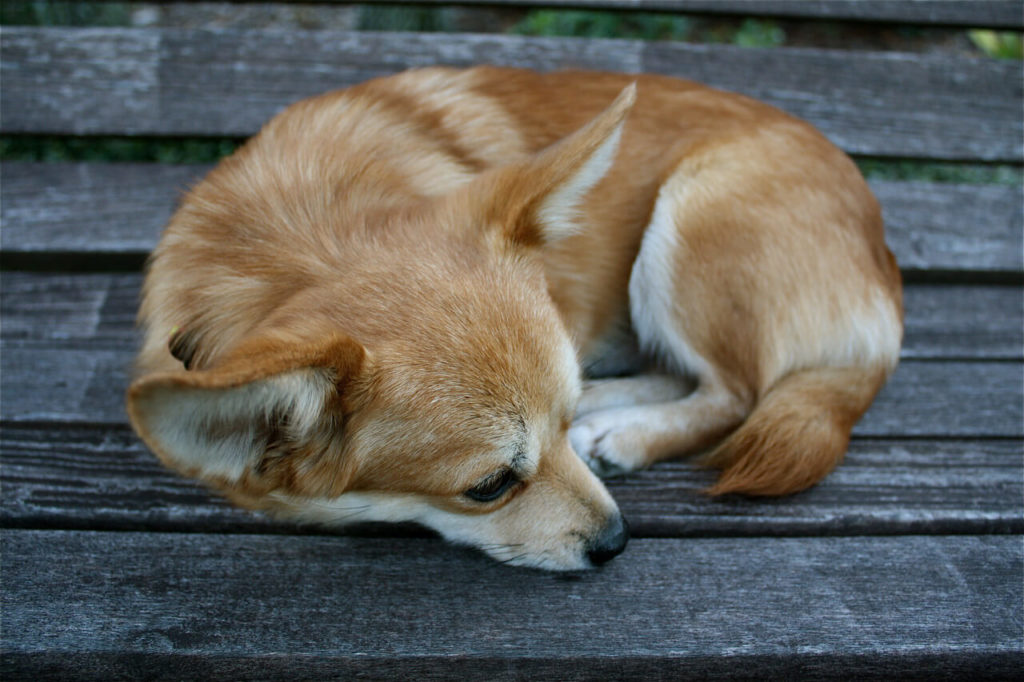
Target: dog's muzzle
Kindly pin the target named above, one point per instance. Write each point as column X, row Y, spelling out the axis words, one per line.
column 610, row 542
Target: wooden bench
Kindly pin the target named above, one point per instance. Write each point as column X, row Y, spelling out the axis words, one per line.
column 907, row 561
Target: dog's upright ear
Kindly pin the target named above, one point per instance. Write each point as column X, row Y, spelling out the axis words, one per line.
column 539, row 201
column 235, row 424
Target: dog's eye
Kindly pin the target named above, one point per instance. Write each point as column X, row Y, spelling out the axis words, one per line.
column 494, row 487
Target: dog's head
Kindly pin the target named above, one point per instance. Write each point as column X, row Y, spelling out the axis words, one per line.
column 436, row 388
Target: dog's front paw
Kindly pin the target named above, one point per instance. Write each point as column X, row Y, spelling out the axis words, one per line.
column 600, row 444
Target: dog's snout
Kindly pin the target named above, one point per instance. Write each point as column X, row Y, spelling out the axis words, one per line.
column 610, row 542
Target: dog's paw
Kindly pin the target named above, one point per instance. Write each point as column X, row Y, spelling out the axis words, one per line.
column 602, row 446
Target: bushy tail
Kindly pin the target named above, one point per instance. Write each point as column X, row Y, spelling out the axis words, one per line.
column 797, row 433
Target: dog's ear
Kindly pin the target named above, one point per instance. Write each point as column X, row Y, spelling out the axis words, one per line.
column 222, row 424
column 539, row 201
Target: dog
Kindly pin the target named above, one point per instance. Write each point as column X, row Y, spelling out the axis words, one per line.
column 379, row 307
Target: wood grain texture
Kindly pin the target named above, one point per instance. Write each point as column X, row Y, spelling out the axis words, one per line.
column 933, row 226
column 923, row 399
column 89, row 208
column 70, row 310
column 960, row 13
column 227, row 82
column 100, row 209
column 986, row 13
column 133, row 605
column 97, row 311
column 58, row 477
column 906, row 562
column 962, row 321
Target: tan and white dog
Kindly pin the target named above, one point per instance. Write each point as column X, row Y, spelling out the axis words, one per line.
column 378, row 308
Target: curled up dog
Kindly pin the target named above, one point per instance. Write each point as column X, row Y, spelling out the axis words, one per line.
column 379, row 307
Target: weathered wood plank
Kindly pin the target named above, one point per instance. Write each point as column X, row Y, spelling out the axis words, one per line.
column 857, row 106
column 926, row 399
column 987, row 13
column 100, row 209
column 105, row 479
column 89, row 208
column 935, row 226
column 967, row 13
column 97, row 311
column 883, row 487
column 226, row 82
column 176, row 603
column 958, row 321
column 80, row 310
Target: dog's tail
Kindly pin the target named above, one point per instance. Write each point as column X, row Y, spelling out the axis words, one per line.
column 798, row 432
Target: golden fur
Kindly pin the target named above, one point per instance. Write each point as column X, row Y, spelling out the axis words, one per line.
column 383, row 299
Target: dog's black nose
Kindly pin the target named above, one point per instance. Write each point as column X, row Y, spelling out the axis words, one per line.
column 610, row 543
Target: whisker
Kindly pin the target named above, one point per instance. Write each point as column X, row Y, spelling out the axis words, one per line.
column 514, row 558
column 501, row 546
column 339, row 514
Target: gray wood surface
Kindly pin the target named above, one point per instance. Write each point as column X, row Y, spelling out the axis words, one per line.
column 97, row 311
column 101, row 209
column 966, row 13
column 923, row 398
column 133, row 605
column 80, row 310
column 976, row 13
column 226, row 82
column 961, row 321
column 89, row 208
column 907, row 562
column 105, row 479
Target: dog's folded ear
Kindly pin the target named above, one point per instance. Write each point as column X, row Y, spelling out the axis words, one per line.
column 539, row 201
column 229, row 424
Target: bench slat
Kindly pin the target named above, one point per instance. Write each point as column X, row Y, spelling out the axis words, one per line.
column 89, row 208
column 106, row 479
column 926, row 399
column 959, row 13
column 97, row 311
column 990, row 13
column 228, row 82
column 121, row 208
column 418, row 609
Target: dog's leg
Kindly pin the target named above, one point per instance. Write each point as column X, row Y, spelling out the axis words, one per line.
column 772, row 289
column 643, row 389
column 628, row 424
column 621, row 439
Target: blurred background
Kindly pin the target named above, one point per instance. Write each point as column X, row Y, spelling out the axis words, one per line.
column 742, row 32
